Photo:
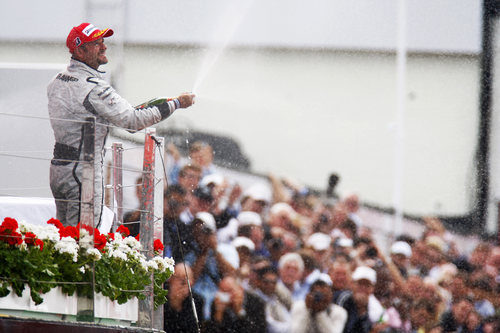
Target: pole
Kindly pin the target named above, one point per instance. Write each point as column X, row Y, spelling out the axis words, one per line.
column 146, row 306
column 158, row 213
column 118, row 184
column 85, row 303
column 400, row 119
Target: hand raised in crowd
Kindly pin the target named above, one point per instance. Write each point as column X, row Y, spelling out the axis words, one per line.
column 173, row 151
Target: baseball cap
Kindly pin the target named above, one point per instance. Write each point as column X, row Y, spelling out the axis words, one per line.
column 213, row 178
column 400, row 247
column 365, row 273
column 258, row 192
column 84, row 33
column 249, row 218
column 243, row 241
column 207, row 219
column 283, row 207
column 319, row 241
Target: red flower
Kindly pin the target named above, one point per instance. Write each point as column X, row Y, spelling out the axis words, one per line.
column 10, row 236
column 86, row 227
column 137, row 237
column 55, row 222
column 111, row 235
column 99, row 240
column 10, row 223
column 30, row 238
column 123, row 230
column 39, row 242
column 158, row 245
column 69, row 231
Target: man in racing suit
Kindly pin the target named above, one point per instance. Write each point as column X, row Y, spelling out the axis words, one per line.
column 80, row 92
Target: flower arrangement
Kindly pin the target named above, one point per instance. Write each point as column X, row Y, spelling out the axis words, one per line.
column 47, row 256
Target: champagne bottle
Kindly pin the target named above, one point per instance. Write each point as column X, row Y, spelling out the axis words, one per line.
column 154, row 102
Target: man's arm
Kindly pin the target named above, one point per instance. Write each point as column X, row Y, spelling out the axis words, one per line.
column 104, row 101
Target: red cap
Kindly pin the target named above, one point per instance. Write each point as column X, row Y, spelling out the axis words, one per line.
column 84, row 33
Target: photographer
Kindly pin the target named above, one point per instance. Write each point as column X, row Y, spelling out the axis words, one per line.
column 208, row 263
column 317, row 313
column 234, row 310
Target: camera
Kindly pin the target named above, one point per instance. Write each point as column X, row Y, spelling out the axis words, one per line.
column 371, row 252
column 318, row 297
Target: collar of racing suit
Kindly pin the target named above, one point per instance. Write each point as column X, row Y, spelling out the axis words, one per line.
column 76, row 65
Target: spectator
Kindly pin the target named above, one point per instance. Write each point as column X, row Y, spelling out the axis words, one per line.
column 422, row 315
column 277, row 315
column 400, row 257
column 454, row 320
column 351, row 204
column 200, row 154
column 201, row 201
column 256, row 199
column 321, row 246
column 236, row 311
column 173, row 228
column 245, row 248
column 189, row 178
column 316, row 313
column 250, row 226
column 178, row 311
column 310, row 274
column 357, row 301
column 290, row 268
column 208, row 264
column 224, row 207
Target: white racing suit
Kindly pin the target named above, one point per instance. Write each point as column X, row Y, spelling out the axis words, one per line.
column 73, row 95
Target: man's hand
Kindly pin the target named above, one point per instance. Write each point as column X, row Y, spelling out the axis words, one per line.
column 186, row 100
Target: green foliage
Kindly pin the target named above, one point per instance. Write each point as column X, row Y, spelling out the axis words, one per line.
column 43, row 269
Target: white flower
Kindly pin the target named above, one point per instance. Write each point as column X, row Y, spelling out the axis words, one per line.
column 82, row 269
column 68, row 245
column 86, row 240
column 132, row 243
column 25, row 227
column 164, row 263
column 94, row 254
column 118, row 254
column 152, row 265
column 144, row 263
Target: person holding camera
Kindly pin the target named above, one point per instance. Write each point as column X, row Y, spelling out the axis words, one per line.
column 317, row 314
column 235, row 310
column 208, row 263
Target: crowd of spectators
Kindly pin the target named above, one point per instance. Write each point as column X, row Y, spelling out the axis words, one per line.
column 279, row 258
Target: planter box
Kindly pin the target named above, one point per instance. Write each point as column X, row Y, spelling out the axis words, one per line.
column 59, row 306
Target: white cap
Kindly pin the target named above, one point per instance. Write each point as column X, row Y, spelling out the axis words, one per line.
column 364, row 273
column 230, row 254
column 249, row 218
column 345, row 242
column 243, row 241
column 258, row 192
column 401, row 247
column 213, row 178
column 207, row 219
column 323, row 277
column 319, row 241
column 282, row 207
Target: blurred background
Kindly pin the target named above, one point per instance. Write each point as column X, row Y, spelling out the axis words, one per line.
column 394, row 97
